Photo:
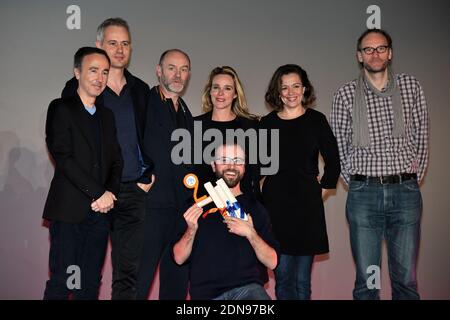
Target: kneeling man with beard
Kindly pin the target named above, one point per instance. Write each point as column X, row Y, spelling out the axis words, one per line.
column 226, row 255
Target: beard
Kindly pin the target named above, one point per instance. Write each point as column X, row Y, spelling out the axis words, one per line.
column 171, row 86
column 230, row 181
column 378, row 69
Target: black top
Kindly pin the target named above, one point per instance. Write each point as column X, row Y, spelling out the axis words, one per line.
column 122, row 107
column 179, row 117
column 140, row 95
column 249, row 184
column 168, row 190
column 95, row 124
column 72, row 139
column 220, row 260
column 293, row 196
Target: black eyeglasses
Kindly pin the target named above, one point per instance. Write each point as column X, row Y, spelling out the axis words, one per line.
column 228, row 160
column 371, row 50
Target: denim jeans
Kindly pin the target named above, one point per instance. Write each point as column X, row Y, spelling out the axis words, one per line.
column 83, row 245
column 252, row 291
column 390, row 211
column 293, row 277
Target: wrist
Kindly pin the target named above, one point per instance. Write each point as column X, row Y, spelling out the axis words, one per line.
column 190, row 232
column 251, row 236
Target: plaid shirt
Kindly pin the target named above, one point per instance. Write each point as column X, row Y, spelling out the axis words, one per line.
column 385, row 155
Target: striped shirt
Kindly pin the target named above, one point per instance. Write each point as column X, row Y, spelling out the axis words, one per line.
column 385, row 155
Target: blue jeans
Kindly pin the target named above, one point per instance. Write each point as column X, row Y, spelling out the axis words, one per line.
column 293, row 277
column 391, row 211
column 252, row 291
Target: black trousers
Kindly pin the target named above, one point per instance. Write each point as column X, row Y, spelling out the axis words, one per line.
column 160, row 226
column 77, row 254
column 127, row 238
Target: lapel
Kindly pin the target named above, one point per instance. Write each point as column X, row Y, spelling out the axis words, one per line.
column 103, row 135
column 164, row 113
column 139, row 107
column 187, row 116
column 80, row 116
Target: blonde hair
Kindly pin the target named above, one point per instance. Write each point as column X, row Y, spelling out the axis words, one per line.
column 239, row 106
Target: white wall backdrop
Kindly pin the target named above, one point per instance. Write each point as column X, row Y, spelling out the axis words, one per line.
column 254, row 37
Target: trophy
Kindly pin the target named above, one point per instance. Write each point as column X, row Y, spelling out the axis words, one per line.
column 221, row 195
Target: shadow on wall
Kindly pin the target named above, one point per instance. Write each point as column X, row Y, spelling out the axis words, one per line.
column 23, row 242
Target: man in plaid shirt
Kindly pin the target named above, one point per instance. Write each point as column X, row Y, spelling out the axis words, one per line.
column 380, row 121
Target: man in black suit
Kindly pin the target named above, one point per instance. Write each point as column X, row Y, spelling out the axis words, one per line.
column 127, row 96
column 168, row 198
column 81, row 138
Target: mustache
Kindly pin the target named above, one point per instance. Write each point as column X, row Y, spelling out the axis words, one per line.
column 236, row 172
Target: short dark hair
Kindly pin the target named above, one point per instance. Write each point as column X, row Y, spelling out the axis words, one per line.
column 378, row 31
column 165, row 53
column 273, row 91
column 86, row 51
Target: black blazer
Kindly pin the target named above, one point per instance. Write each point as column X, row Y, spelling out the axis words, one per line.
column 71, row 142
column 168, row 190
column 140, row 94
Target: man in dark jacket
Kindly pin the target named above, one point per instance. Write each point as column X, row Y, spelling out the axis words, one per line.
column 168, row 198
column 127, row 97
column 81, row 138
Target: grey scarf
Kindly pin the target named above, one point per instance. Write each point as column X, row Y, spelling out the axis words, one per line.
column 361, row 136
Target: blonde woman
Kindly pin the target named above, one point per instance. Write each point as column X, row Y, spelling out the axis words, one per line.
column 225, row 107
